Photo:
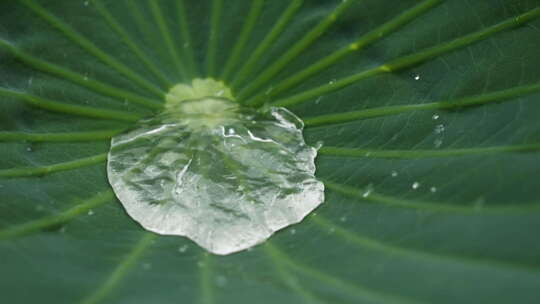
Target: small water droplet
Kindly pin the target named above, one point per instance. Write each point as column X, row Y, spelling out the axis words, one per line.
column 332, row 82
column 221, row 281
column 367, row 192
column 186, row 45
column 318, row 100
column 85, row 77
column 415, row 185
column 343, row 219
column 416, row 77
column 183, row 248
column 435, row 116
column 85, row 3
column 439, row 129
column 29, row 149
column 332, row 230
column 394, row 173
column 293, row 231
column 479, row 203
column 269, row 90
column 90, row 212
column 433, row 189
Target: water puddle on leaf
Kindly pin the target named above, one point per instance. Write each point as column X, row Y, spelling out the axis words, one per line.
column 224, row 176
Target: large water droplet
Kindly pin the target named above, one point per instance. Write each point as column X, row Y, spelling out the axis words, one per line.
column 204, row 170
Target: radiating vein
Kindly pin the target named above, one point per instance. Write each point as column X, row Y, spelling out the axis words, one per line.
column 366, row 242
column 167, row 38
column 412, row 154
column 478, row 100
column 113, row 23
column 408, row 61
column 205, row 279
column 84, row 81
column 365, row 40
column 369, row 195
column 91, row 48
column 247, row 29
column 353, row 289
column 59, row 137
column 122, row 270
column 65, row 166
column 58, row 219
column 215, row 17
column 267, row 42
column 188, row 44
column 60, row 107
column 295, row 50
column 290, row 280
column 146, row 29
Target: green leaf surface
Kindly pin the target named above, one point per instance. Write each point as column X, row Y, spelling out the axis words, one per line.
column 427, row 111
